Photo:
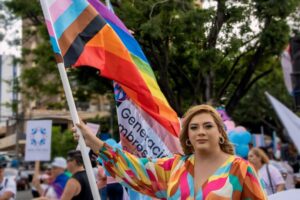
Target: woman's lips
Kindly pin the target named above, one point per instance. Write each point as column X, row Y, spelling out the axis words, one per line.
column 201, row 141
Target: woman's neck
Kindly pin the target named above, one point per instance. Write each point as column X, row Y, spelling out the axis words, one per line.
column 210, row 155
column 258, row 166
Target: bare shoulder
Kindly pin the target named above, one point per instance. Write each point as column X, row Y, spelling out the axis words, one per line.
column 73, row 186
column 72, row 189
column 73, row 182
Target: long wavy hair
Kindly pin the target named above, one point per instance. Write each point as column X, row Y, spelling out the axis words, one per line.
column 226, row 147
column 260, row 154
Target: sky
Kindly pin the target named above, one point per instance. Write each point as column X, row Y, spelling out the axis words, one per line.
column 11, row 32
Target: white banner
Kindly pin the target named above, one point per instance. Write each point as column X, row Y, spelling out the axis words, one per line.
column 290, row 121
column 143, row 136
column 38, row 140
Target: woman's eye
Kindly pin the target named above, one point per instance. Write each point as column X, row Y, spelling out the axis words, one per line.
column 208, row 126
column 193, row 127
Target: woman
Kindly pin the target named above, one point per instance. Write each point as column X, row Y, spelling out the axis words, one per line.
column 208, row 170
column 269, row 174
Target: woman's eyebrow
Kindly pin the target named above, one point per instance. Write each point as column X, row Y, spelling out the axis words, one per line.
column 193, row 123
column 206, row 123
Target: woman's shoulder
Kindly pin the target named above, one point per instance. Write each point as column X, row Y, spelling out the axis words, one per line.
column 240, row 161
column 241, row 164
column 242, row 168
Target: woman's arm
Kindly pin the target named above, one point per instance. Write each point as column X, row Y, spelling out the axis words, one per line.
column 277, row 178
column 252, row 187
column 280, row 187
column 72, row 189
column 36, row 180
column 147, row 176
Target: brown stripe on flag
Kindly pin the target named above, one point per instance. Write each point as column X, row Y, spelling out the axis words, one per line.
column 58, row 58
column 78, row 45
column 75, row 28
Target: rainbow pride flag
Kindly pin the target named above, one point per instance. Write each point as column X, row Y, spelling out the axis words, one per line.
column 86, row 33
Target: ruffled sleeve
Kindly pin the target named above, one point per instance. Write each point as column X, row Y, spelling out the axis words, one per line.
column 250, row 184
column 148, row 176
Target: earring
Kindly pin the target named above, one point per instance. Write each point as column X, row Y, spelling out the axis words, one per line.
column 222, row 140
column 188, row 143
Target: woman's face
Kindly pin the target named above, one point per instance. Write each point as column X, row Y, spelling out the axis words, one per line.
column 253, row 158
column 203, row 133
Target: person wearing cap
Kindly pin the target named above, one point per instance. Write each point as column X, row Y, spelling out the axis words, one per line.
column 78, row 186
column 56, row 187
column 8, row 188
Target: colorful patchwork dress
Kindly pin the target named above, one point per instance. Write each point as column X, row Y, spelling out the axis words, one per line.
column 173, row 178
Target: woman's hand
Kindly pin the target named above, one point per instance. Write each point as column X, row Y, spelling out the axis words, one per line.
column 89, row 137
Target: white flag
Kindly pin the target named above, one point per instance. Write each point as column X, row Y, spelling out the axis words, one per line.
column 290, row 120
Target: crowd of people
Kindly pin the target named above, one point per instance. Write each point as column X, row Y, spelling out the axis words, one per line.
column 67, row 179
column 208, row 169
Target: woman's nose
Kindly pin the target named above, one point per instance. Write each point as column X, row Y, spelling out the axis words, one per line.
column 201, row 131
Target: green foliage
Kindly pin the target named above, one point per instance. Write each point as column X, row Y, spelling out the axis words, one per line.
column 198, row 55
column 61, row 142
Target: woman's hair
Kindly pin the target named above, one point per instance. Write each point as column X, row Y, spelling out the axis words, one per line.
column 261, row 154
column 226, row 147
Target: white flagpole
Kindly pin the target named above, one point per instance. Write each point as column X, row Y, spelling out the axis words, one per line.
column 75, row 119
column 73, row 111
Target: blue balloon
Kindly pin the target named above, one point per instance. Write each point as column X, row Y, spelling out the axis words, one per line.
column 247, row 137
column 239, row 137
column 242, row 150
column 234, row 137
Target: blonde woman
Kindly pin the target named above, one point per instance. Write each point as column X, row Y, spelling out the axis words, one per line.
column 207, row 170
column 269, row 174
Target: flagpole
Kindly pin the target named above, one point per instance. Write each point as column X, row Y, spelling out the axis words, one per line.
column 75, row 119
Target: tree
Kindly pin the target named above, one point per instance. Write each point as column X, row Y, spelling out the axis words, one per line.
column 61, row 142
column 203, row 55
column 200, row 54
column 40, row 74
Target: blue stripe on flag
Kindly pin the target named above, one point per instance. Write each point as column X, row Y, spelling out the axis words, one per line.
column 69, row 16
column 54, row 44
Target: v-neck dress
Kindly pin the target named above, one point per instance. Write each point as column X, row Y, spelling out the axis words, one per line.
column 173, row 177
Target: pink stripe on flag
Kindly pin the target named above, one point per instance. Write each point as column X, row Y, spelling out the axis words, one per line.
column 59, row 7
column 50, row 28
column 170, row 140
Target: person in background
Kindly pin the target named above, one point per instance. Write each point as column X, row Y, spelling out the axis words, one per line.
column 269, row 174
column 102, row 182
column 78, row 187
column 44, row 178
column 108, row 187
column 205, row 170
column 58, row 176
column 8, row 188
column 284, row 168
